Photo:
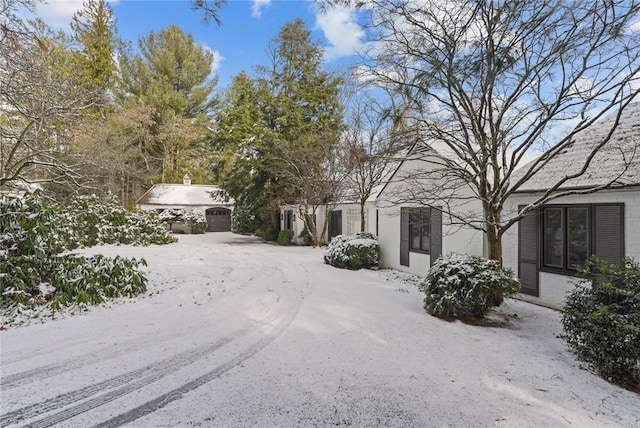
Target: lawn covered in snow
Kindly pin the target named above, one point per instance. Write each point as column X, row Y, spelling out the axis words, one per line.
column 236, row 332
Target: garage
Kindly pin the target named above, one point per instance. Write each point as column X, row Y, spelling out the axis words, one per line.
column 218, row 219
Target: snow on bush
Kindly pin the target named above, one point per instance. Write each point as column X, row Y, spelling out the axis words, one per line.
column 353, row 252
column 195, row 219
column 37, row 277
column 459, row 285
column 602, row 320
column 89, row 221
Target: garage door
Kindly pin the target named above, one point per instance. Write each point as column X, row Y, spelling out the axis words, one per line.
column 218, row 219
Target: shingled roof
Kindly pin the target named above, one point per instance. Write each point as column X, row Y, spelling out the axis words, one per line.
column 184, row 195
column 609, row 162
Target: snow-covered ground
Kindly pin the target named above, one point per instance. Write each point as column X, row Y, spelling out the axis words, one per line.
column 235, row 332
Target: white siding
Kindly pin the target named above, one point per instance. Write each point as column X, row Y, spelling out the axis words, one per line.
column 350, row 218
column 455, row 238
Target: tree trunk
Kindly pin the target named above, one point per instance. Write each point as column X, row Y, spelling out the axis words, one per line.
column 494, row 244
column 362, row 219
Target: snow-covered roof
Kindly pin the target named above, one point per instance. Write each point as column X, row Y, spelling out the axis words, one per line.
column 609, row 162
column 181, row 194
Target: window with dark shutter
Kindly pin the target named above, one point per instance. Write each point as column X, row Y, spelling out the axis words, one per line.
column 572, row 233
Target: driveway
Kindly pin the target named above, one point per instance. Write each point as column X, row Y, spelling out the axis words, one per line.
column 235, row 332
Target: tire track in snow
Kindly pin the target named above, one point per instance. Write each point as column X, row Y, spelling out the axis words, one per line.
column 44, row 372
column 127, row 386
column 151, row 373
column 83, row 360
column 176, row 394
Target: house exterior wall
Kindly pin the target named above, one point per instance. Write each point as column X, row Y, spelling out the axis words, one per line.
column 552, row 287
column 455, row 238
column 350, row 218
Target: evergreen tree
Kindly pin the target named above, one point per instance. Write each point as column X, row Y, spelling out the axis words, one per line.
column 291, row 108
column 93, row 30
column 172, row 74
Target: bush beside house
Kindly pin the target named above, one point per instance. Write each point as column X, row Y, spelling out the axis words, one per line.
column 182, row 221
column 285, row 236
column 601, row 320
column 353, row 252
column 461, row 285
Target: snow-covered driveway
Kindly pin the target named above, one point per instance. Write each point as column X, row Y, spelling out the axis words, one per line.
column 234, row 332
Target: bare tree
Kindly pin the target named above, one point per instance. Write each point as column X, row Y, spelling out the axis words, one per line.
column 370, row 145
column 38, row 104
column 315, row 173
column 491, row 82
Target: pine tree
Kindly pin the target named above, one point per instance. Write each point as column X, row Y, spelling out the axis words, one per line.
column 173, row 74
column 93, row 30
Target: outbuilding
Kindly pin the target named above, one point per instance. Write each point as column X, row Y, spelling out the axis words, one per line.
column 208, row 199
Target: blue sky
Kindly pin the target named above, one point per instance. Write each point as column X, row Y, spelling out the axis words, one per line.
column 247, row 26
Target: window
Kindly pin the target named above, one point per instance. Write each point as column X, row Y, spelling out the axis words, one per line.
column 218, row 211
column 566, row 237
column 420, row 229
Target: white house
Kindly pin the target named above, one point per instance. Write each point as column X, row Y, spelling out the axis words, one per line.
column 549, row 244
column 343, row 219
column 187, row 196
column 413, row 232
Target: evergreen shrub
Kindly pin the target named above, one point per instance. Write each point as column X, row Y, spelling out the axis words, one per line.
column 601, row 320
column 353, row 251
column 305, row 238
column 90, row 220
column 269, row 234
column 285, row 236
column 194, row 219
column 461, row 285
column 38, row 274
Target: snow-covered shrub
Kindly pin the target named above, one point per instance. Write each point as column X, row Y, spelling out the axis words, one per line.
column 353, row 251
column 34, row 274
column 459, row 285
column 285, row 236
column 602, row 321
column 90, row 220
column 172, row 215
column 196, row 221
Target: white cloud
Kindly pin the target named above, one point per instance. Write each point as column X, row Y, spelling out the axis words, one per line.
column 258, row 5
column 217, row 61
column 58, row 13
column 342, row 31
column 217, row 58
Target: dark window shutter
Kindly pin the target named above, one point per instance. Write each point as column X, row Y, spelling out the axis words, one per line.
column 528, row 251
column 404, row 236
column 609, row 232
column 435, row 249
